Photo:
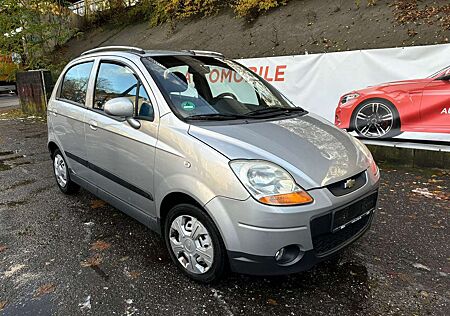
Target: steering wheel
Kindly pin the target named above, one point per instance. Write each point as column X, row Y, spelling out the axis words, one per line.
column 223, row 96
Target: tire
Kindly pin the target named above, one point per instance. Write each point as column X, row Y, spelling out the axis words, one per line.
column 193, row 255
column 376, row 119
column 62, row 175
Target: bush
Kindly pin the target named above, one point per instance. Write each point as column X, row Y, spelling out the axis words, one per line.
column 187, row 8
column 160, row 11
column 250, row 9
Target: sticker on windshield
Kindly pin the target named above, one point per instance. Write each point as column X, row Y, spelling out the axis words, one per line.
column 188, row 106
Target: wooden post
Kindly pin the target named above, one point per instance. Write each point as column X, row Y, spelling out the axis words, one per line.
column 34, row 87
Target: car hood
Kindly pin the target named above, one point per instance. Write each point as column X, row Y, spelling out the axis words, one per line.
column 315, row 152
column 404, row 84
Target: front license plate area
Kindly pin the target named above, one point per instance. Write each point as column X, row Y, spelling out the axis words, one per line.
column 354, row 212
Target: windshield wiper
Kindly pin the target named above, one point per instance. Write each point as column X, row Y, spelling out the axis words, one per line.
column 216, row 117
column 275, row 111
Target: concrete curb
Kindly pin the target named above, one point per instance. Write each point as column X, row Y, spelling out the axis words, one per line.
column 421, row 156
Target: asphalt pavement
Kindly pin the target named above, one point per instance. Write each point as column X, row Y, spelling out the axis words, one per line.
column 8, row 100
column 76, row 255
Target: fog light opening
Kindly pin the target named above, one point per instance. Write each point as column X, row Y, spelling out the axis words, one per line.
column 288, row 255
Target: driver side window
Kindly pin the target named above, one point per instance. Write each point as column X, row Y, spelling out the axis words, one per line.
column 115, row 81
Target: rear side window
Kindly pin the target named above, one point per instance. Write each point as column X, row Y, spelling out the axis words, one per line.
column 75, row 83
column 114, row 81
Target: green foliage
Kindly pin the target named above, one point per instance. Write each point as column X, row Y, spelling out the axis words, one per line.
column 187, row 8
column 8, row 69
column 250, row 9
column 160, row 11
column 33, row 29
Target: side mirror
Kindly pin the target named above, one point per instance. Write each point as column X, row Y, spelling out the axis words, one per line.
column 122, row 107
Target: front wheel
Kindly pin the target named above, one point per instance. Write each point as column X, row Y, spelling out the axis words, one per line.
column 377, row 118
column 194, row 243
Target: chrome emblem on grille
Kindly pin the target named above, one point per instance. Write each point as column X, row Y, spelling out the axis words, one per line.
column 350, row 183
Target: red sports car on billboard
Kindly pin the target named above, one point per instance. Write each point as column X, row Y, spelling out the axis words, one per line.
column 386, row 110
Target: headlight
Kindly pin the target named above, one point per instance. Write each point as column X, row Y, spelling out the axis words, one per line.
column 374, row 168
column 349, row 97
column 372, row 164
column 269, row 183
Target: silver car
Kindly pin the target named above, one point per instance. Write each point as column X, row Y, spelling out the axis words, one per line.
column 212, row 157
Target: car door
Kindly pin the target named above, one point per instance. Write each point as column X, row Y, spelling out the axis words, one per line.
column 435, row 106
column 121, row 158
column 67, row 115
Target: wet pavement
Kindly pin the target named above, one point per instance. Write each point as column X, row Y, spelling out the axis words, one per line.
column 75, row 255
column 8, row 100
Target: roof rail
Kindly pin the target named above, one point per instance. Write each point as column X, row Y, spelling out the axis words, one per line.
column 115, row 48
column 206, row 52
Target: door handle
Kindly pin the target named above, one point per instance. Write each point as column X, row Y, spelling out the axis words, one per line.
column 93, row 125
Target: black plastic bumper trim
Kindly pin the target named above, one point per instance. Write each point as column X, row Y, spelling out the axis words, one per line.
column 263, row 265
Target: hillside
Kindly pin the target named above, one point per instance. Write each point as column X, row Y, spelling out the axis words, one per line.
column 301, row 26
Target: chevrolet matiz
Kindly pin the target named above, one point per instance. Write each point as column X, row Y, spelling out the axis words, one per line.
column 212, row 157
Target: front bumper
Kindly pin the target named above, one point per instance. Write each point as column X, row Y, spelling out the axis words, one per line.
column 343, row 114
column 253, row 232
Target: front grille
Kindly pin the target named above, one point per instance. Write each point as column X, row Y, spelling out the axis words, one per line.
column 332, row 230
column 327, row 242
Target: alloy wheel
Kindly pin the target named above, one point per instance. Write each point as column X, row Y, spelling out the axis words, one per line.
column 191, row 243
column 374, row 120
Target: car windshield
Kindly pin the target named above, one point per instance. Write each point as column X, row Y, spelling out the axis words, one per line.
column 208, row 88
column 444, row 70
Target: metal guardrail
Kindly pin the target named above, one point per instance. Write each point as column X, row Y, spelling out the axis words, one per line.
column 442, row 147
column 79, row 7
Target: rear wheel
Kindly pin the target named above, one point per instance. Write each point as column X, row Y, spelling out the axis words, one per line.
column 194, row 243
column 377, row 118
column 62, row 176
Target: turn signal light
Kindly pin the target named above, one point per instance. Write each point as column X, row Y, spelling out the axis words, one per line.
column 294, row 198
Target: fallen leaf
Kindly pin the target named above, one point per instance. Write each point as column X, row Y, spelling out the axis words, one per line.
column 45, row 289
column 100, row 245
column 3, row 304
column 86, row 304
column 132, row 274
column 425, row 192
column 421, row 266
column 272, row 302
column 95, row 204
column 3, row 248
column 14, row 269
column 92, row 261
column 424, row 293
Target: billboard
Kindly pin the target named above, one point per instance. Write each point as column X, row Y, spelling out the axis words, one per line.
column 393, row 93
